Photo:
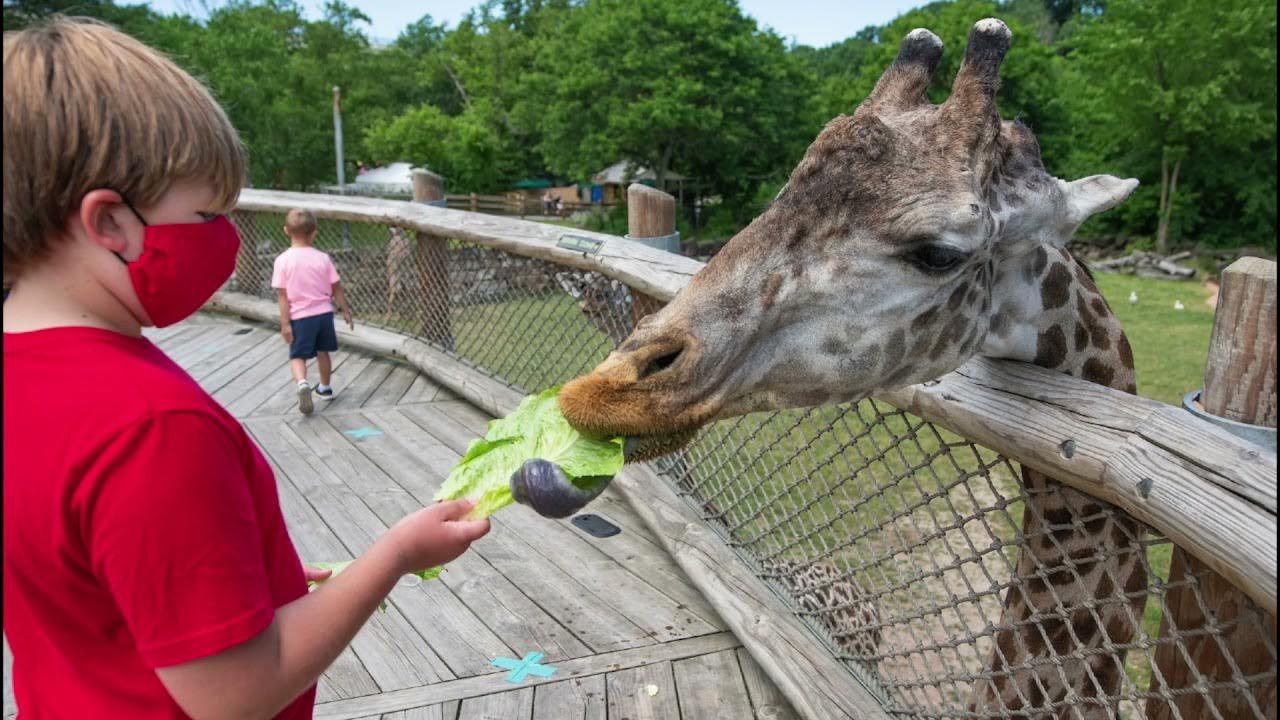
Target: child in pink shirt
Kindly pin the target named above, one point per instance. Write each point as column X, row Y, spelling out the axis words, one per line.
column 307, row 285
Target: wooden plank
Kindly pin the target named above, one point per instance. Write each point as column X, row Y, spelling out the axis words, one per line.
column 199, row 334
column 711, row 686
column 423, row 389
column 510, row 705
column 268, row 386
column 284, row 399
column 644, row 693
column 817, row 684
column 652, row 271
column 238, row 346
column 645, row 606
column 580, row 698
column 1156, row 462
column 492, row 682
column 443, row 711
column 359, row 386
column 567, row 615
column 250, row 378
column 453, row 632
column 394, row 386
column 766, row 700
column 229, row 371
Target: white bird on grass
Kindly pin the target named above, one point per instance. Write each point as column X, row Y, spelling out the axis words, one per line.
column 1177, row 305
column 1133, row 297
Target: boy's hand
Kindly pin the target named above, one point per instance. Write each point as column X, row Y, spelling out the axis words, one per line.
column 436, row 535
column 346, row 315
column 287, row 332
column 315, row 574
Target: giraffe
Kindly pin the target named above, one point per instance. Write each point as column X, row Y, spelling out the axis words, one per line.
column 911, row 237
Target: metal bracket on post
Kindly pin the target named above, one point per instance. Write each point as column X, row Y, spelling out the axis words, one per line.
column 1260, row 435
column 670, row 243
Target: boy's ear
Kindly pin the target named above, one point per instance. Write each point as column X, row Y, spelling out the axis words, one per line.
column 102, row 216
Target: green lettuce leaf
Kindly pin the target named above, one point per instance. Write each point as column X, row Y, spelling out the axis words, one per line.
column 536, row 429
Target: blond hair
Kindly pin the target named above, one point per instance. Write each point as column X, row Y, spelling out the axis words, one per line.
column 88, row 107
column 299, row 223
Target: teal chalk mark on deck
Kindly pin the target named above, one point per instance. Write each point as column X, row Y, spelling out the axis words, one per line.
column 362, row 433
column 520, row 669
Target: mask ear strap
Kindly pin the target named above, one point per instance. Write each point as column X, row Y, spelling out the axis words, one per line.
column 136, row 214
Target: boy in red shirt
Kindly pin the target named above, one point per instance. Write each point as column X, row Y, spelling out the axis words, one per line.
column 307, row 285
column 148, row 572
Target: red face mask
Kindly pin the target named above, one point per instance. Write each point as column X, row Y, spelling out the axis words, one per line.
column 181, row 266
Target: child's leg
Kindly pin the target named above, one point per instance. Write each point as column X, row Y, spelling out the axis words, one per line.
column 325, row 364
column 299, row 368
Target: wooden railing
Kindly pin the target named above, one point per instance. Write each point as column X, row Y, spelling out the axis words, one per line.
column 1210, row 492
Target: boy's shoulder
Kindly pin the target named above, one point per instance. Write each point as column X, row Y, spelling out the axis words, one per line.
column 139, row 378
column 304, row 253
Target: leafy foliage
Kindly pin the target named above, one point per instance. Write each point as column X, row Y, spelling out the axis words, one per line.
column 563, row 88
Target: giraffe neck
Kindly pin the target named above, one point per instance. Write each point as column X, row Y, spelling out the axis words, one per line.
column 1079, row 582
column 1047, row 310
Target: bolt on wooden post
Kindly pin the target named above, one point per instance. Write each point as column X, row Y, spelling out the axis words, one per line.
column 651, row 213
column 431, row 264
column 1239, row 385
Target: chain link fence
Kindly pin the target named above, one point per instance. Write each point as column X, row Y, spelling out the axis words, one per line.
column 895, row 541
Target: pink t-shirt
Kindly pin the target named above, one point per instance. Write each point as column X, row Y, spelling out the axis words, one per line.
column 307, row 276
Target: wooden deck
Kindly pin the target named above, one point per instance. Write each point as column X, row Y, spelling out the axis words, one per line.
column 628, row 635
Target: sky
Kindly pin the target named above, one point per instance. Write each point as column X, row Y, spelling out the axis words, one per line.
column 807, row 22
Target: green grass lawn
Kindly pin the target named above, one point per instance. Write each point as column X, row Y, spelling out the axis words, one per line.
column 1169, row 346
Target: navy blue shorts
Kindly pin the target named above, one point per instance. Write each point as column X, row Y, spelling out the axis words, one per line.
column 311, row 335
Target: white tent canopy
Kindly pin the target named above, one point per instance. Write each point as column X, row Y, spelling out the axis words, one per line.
column 624, row 171
column 397, row 177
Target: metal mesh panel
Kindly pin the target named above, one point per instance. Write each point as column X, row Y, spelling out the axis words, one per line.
column 895, row 541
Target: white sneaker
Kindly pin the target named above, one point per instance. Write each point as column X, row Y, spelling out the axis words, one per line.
column 304, row 398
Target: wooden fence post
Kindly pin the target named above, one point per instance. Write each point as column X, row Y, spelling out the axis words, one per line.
column 651, row 213
column 1239, row 385
column 431, row 254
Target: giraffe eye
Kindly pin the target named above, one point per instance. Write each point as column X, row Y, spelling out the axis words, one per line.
column 934, row 259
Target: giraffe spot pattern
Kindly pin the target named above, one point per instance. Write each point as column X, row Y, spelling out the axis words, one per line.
column 1097, row 371
column 1051, row 347
column 1055, row 290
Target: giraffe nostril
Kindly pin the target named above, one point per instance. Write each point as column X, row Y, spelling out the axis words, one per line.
column 660, row 363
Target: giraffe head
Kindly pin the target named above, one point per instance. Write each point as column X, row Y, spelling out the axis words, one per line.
column 873, row 268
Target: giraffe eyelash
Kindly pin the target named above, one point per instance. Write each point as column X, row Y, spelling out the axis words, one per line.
column 934, row 259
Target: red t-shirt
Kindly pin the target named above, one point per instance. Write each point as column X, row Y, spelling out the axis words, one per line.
column 141, row 527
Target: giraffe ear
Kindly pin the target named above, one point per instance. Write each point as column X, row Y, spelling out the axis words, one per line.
column 1088, row 196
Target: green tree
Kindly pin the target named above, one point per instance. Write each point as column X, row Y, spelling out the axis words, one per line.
column 1183, row 95
column 686, row 85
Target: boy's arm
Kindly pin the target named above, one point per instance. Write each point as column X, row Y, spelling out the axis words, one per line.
column 259, row 678
column 285, row 328
column 341, row 298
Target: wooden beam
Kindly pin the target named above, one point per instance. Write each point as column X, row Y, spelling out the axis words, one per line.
column 1208, row 491
column 654, row 272
column 489, row 683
